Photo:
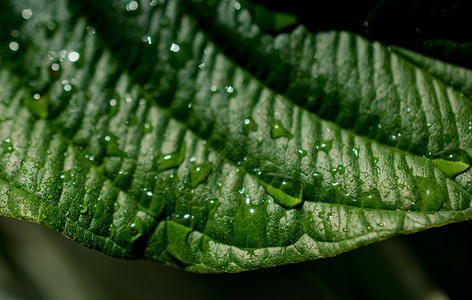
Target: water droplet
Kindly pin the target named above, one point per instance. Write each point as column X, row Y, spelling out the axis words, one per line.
column 147, row 128
column 83, row 209
column 355, row 151
column 229, row 89
column 431, row 193
column 132, row 6
column 55, row 67
column 74, row 56
column 370, row 199
column 452, row 162
column 14, row 46
column 174, row 48
column 172, row 160
column 7, row 146
column 199, row 173
column 112, row 146
column 27, row 13
column 147, row 39
column 325, row 146
column 90, row 30
column 278, row 130
column 249, row 125
column 301, row 153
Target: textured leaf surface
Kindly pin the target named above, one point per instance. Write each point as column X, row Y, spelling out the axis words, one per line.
column 180, row 132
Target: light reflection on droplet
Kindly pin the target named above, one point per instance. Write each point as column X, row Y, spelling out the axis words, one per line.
column 229, row 89
column 237, row 5
column 55, row 67
column 147, row 39
column 90, row 30
column 128, row 98
column 27, row 13
column 14, row 46
column 112, row 102
column 74, row 56
column 132, row 6
column 67, row 87
column 51, row 25
column 175, row 47
column 37, row 96
column 202, row 66
column 213, row 88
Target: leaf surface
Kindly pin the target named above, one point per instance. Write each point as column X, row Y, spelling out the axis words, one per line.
column 181, row 133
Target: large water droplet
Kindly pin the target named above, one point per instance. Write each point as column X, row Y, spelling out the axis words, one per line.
column 431, row 193
column 452, row 162
column 285, row 191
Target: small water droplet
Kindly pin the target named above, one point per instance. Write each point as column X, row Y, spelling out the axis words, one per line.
column 301, row 153
column 199, row 173
column 14, row 46
column 174, row 48
column 55, row 67
column 370, row 199
column 74, row 56
column 83, row 209
column 132, row 6
column 278, row 130
column 172, row 160
column 27, row 13
column 325, row 146
column 7, row 146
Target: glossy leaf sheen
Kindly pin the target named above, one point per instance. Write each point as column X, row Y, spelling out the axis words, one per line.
column 179, row 132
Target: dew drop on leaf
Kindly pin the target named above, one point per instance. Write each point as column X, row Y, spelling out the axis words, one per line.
column 278, row 130
column 199, row 173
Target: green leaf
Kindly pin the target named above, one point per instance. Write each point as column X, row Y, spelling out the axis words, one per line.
column 180, row 132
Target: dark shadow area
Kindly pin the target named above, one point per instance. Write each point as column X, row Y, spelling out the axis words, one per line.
column 435, row 28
